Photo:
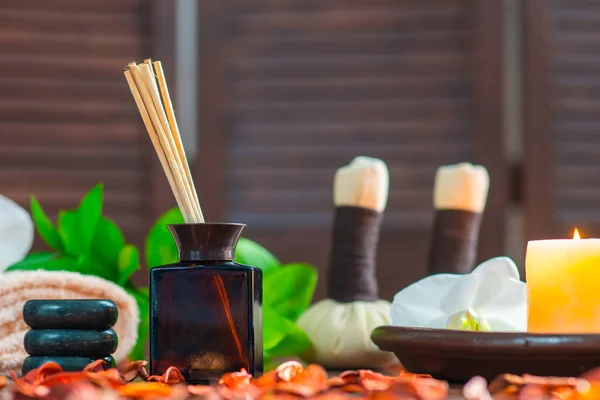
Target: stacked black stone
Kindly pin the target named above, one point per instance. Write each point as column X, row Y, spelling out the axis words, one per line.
column 71, row 333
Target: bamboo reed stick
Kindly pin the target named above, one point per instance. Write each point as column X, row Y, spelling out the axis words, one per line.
column 162, row 83
column 159, row 119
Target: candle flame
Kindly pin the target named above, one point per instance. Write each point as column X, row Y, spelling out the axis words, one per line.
column 576, row 234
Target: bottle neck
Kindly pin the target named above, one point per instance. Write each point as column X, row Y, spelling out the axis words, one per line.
column 191, row 256
column 206, row 242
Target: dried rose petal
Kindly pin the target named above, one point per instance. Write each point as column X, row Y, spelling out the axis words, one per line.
column 499, row 384
column 289, row 370
column 305, row 383
column 348, row 382
column 555, row 381
column 592, row 375
column 332, row 395
column 250, row 392
column 562, row 393
column 64, row 378
column 107, row 379
column 201, row 390
column 145, row 390
column 533, row 392
column 373, row 381
column 393, row 395
column 267, row 380
column 171, row 376
column 298, row 389
column 35, row 376
column 335, row 381
column 235, row 380
column 406, row 374
column 353, row 388
column 431, row 389
column 350, row 376
column 509, row 383
column 313, row 372
column 28, row 389
column 134, row 370
column 95, row 366
column 82, row 390
column 476, row 389
column 290, row 381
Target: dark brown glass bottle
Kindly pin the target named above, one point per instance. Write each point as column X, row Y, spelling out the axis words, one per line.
column 205, row 310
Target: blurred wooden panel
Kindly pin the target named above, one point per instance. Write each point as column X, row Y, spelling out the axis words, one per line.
column 562, row 98
column 67, row 119
column 291, row 91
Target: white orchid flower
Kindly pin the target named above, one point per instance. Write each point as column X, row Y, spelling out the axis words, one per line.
column 16, row 232
column 492, row 297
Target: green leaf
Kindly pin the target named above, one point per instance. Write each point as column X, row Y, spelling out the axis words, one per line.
column 272, row 334
column 129, row 262
column 44, row 226
column 295, row 341
column 139, row 350
column 251, row 253
column 160, row 246
column 45, row 261
column 88, row 265
column 108, row 242
column 69, row 232
column 76, row 228
column 289, row 289
column 90, row 206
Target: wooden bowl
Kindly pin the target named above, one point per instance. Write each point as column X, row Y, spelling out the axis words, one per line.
column 457, row 356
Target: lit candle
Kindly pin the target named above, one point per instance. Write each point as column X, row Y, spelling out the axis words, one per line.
column 563, row 285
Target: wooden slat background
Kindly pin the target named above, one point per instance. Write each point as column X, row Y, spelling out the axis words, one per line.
column 313, row 84
column 561, row 115
column 294, row 90
column 67, row 120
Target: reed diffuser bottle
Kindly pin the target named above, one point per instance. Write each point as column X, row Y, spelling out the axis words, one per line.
column 205, row 310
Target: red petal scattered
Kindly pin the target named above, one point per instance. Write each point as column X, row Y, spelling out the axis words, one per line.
column 288, row 370
column 236, row 380
column 95, row 366
column 430, row 389
column 373, row 381
column 303, row 382
column 35, row 376
column 171, row 377
column 200, row 390
column 266, row 380
column 477, row 389
column 145, row 390
column 134, row 370
column 291, row 381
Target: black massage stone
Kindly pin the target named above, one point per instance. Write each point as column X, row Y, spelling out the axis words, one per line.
column 69, row 342
column 68, row 363
column 70, row 314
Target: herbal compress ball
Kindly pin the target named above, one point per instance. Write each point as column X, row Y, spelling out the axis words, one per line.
column 340, row 326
